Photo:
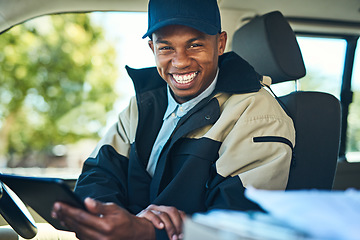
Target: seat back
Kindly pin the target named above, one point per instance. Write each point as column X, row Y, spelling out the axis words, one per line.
column 316, row 118
column 270, row 46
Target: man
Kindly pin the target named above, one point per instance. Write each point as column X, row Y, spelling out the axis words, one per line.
column 200, row 129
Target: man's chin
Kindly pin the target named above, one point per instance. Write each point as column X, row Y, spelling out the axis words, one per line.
column 181, row 98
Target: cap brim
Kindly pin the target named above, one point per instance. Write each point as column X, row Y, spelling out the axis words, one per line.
column 193, row 23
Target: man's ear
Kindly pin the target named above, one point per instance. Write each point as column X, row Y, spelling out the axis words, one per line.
column 222, row 39
column 151, row 45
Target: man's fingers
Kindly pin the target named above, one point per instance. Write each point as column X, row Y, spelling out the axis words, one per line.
column 174, row 215
column 152, row 216
column 102, row 221
column 86, row 225
column 171, row 217
column 160, row 220
column 98, row 208
column 75, row 218
column 169, row 226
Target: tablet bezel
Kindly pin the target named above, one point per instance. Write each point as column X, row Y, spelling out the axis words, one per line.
column 41, row 194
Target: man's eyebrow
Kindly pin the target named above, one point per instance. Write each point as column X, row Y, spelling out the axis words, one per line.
column 159, row 40
column 195, row 39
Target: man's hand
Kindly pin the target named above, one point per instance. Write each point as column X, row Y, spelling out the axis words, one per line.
column 166, row 217
column 103, row 221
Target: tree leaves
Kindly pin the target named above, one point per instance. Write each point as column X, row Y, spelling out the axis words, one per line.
column 56, row 75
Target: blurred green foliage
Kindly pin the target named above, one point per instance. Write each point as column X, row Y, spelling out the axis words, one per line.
column 56, row 83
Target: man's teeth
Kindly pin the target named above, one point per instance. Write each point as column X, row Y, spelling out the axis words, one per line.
column 184, row 78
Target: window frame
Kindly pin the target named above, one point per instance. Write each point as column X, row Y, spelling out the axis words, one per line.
column 346, row 93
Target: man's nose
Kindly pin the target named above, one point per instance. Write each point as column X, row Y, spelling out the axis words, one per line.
column 181, row 60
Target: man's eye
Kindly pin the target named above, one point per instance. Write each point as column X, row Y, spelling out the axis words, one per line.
column 194, row 45
column 164, row 48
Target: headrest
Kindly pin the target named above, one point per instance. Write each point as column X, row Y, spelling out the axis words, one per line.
column 269, row 44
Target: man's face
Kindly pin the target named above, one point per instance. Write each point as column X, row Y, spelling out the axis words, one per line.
column 187, row 59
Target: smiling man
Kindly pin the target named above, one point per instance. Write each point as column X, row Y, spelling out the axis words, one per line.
column 187, row 59
column 199, row 131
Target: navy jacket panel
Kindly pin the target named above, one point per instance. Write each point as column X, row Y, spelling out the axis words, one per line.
column 227, row 193
column 183, row 183
column 151, row 107
column 105, row 181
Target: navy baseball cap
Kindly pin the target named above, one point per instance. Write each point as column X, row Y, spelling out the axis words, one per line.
column 202, row 15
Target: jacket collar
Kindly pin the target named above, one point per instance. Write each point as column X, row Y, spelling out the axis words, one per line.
column 235, row 76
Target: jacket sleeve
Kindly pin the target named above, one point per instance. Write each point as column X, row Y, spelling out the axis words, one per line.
column 256, row 151
column 104, row 173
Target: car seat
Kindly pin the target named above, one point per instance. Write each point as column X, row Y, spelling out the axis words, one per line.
column 269, row 44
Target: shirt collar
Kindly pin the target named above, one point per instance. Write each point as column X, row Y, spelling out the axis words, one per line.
column 182, row 109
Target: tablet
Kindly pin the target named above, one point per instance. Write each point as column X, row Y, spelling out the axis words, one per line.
column 41, row 194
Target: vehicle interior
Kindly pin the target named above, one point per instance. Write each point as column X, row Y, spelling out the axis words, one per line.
column 306, row 50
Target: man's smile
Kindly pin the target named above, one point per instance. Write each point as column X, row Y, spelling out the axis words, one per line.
column 184, row 78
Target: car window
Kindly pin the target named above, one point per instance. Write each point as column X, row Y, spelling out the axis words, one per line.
column 353, row 133
column 324, row 63
column 63, row 82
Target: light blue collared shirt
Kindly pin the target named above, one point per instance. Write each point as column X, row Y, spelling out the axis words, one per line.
column 172, row 116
